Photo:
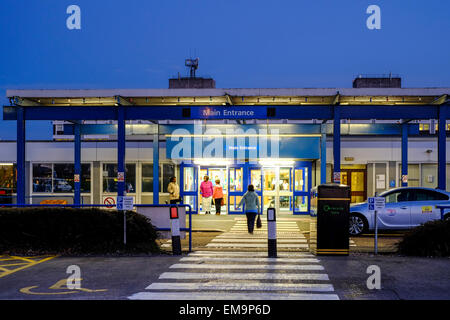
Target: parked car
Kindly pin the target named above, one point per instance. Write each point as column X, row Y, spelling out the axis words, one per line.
column 405, row 208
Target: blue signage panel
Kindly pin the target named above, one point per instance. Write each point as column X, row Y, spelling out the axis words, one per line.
column 234, row 112
column 261, row 147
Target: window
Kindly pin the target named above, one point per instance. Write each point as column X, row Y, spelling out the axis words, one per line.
column 42, row 177
column 110, row 177
column 147, row 177
column 427, row 195
column 398, row 196
column 8, row 177
column 59, row 178
column 166, row 171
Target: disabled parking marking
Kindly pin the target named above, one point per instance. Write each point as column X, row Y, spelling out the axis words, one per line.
column 20, row 262
column 59, row 285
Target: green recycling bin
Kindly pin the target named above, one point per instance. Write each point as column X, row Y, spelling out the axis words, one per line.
column 330, row 207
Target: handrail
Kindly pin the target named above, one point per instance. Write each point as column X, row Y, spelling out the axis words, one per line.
column 104, row 205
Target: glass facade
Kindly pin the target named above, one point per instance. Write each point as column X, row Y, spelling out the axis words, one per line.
column 59, row 178
column 147, row 177
column 110, row 178
column 8, row 177
column 166, row 171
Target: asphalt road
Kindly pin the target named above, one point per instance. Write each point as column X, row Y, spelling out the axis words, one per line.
column 117, row 278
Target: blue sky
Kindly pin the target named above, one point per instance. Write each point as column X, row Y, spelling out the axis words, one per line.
column 241, row 43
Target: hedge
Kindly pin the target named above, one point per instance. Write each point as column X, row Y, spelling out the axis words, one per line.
column 431, row 239
column 74, row 231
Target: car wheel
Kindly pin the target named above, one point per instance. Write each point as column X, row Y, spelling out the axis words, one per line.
column 357, row 225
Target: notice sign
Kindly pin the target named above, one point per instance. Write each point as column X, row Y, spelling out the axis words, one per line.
column 109, row 202
column 337, row 177
column 376, row 203
column 125, row 203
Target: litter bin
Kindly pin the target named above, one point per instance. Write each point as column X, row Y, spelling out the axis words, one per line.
column 330, row 206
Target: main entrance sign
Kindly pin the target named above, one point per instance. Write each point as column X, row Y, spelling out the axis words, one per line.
column 235, row 112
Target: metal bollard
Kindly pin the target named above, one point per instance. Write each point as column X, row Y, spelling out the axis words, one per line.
column 175, row 228
column 272, row 232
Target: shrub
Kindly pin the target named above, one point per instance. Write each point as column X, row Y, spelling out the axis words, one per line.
column 431, row 239
column 74, row 231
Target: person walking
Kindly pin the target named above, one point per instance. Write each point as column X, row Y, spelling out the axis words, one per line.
column 218, row 196
column 206, row 190
column 174, row 191
column 252, row 207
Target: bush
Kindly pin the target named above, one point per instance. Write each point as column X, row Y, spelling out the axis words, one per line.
column 431, row 239
column 74, row 231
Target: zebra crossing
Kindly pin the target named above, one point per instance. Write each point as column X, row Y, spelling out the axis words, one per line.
column 239, row 274
column 218, row 275
column 289, row 237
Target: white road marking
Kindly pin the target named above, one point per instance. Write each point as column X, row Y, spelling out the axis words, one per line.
column 231, row 296
column 259, row 240
column 249, row 285
column 250, row 254
column 246, row 266
column 254, row 245
column 243, row 276
column 251, row 259
column 253, row 236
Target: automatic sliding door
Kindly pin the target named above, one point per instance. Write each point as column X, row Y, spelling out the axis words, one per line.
column 270, row 182
column 285, row 189
column 235, row 188
column 189, row 185
column 302, row 182
column 256, row 181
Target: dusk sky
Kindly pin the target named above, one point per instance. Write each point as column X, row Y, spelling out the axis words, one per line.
column 248, row 44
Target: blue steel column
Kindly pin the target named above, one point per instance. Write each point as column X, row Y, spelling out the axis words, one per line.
column 21, row 155
column 77, row 161
column 323, row 154
column 442, row 145
column 337, row 145
column 121, row 151
column 156, row 166
column 404, row 155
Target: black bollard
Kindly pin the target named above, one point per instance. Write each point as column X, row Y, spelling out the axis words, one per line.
column 272, row 232
column 175, row 228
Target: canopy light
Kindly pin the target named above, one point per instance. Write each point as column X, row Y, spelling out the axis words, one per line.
column 276, row 162
column 212, row 162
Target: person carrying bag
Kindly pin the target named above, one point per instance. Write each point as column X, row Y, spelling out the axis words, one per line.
column 252, row 208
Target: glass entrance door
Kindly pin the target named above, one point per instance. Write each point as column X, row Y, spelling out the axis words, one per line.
column 285, row 189
column 357, row 181
column 277, row 188
column 256, row 180
column 214, row 174
column 235, row 188
column 301, row 189
column 189, row 185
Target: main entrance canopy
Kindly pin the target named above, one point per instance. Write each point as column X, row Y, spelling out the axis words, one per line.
column 260, row 106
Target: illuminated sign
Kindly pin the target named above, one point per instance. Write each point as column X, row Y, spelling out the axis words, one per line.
column 218, row 112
